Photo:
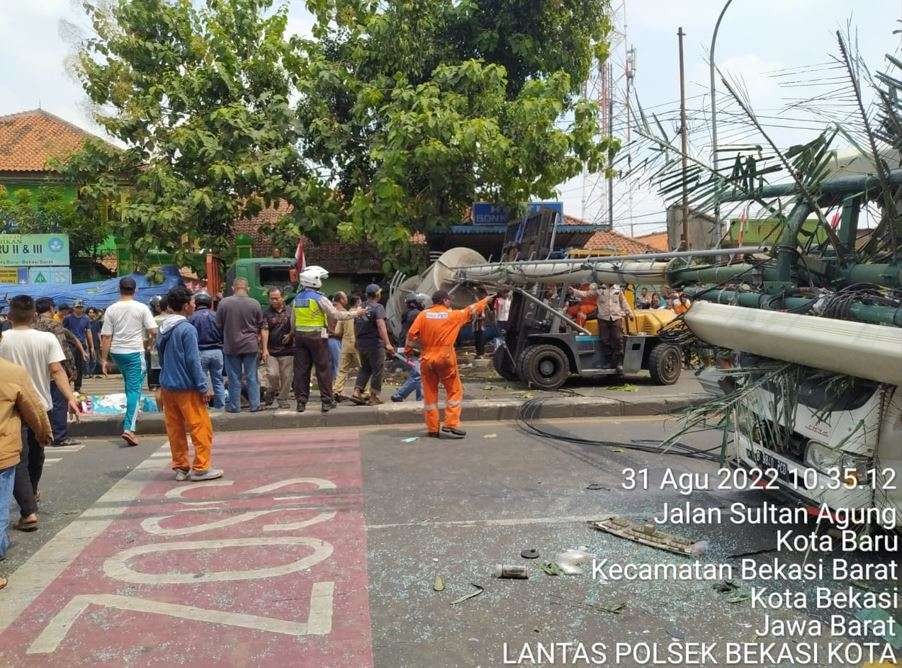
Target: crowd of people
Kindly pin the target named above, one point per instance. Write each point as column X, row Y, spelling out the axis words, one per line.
column 201, row 355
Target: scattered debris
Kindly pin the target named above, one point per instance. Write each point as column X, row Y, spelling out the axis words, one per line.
column 596, row 486
column 488, row 388
column 511, row 572
column 740, row 596
column 571, row 561
column 752, row 553
column 550, row 568
column 613, row 608
column 626, row 387
column 439, row 584
column 530, row 553
column 617, row 450
column 410, row 439
column 491, row 436
column 724, row 586
column 737, row 593
column 467, row 597
column 648, row 534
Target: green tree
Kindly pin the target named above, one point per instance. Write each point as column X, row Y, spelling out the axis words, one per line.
column 199, row 96
column 49, row 209
column 412, row 110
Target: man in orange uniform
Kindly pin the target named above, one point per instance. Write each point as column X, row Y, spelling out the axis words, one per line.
column 436, row 331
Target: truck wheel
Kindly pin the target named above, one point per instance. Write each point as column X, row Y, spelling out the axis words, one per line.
column 503, row 365
column 545, row 367
column 665, row 364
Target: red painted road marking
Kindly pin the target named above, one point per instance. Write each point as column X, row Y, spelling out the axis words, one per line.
column 265, row 567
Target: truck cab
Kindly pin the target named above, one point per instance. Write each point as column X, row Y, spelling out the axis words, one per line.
column 263, row 273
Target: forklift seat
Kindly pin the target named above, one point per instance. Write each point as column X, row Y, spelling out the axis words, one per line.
column 648, row 321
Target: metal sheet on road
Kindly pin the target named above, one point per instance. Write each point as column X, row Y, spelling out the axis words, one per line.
column 266, row 566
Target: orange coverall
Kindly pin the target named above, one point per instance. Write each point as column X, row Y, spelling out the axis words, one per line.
column 436, row 329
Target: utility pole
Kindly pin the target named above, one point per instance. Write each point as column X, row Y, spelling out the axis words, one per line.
column 718, row 228
column 630, row 73
column 684, row 238
column 611, row 153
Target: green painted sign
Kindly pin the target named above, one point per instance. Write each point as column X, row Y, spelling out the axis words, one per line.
column 34, row 250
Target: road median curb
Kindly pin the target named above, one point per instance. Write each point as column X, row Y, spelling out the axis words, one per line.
column 404, row 413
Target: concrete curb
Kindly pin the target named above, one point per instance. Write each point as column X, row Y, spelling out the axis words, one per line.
column 404, row 413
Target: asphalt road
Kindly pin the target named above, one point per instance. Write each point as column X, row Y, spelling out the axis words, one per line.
column 123, row 549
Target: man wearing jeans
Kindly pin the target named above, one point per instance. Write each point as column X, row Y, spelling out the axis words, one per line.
column 241, row 320
column 18, row 403
column 125, row 326
column 79, row 324
column 59, row 412
column 209, row 339
column 41, row 355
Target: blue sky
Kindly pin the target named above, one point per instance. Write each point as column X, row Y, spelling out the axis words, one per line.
column 756, row 37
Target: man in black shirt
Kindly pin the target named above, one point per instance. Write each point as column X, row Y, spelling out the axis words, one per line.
column 372, row 344
column 279, row 349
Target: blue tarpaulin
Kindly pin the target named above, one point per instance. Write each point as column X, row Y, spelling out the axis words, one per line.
column 97, row 294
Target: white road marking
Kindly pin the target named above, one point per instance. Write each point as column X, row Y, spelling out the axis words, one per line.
column 52, row 460
column 116, row 566
column 319, row 618
column 564, row 519
column 152, row 524
column 54, row 557
column 65, row 448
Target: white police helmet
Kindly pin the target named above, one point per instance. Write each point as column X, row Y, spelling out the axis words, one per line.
column 313, row 277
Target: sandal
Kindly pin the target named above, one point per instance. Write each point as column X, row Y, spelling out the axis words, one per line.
column 129, row 439
column 3, row 582
column 29, row 525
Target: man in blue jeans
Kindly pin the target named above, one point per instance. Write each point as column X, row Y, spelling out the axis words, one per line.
column 18, row 403
column 209, row 340
column 240, row 318
column 126, row 325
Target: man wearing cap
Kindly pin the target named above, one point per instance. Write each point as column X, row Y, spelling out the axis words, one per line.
column 126, row 325
column 372, row 344
column 311, row 338
column 79, row 324
column 436, row 330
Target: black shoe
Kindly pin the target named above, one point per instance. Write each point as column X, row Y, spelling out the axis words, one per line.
column 433, row 434
column 65, row 442
column 328, row 407
column 300, row 408
column 453, row 432
column 395, row 399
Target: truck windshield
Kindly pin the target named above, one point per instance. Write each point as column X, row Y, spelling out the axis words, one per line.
column 277, row 276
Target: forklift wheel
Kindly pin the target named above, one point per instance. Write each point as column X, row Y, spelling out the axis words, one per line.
column 545, row 366
column 664, row 364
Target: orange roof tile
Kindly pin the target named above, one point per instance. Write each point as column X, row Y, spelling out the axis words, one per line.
column 610, row 242
column 30, row 139
column 657, row 240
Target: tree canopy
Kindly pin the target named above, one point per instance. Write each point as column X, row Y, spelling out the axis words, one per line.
column 392, row 118
column 49, row 209
column 413, row 110
column 200, row 98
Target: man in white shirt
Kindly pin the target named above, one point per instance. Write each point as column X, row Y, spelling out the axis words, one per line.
column 41, row 355
column 126, row 325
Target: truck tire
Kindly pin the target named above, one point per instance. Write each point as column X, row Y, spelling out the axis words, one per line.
column 665, row 362
column 545, row 366
column 503, row 365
